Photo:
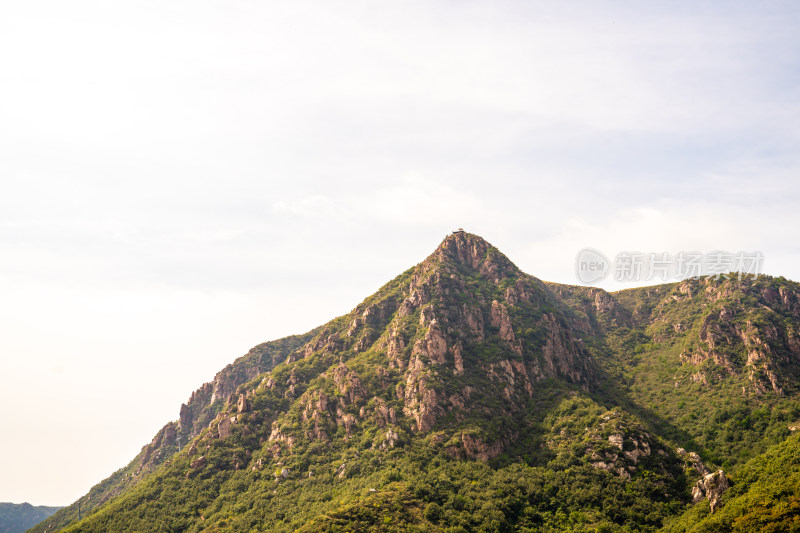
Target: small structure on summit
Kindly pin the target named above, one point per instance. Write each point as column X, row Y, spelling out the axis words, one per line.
column 459, row 230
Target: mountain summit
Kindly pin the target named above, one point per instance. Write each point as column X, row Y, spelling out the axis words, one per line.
column 468, row 395
column 472, row 251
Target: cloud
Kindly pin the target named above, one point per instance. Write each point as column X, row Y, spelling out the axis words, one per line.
column 311, row 207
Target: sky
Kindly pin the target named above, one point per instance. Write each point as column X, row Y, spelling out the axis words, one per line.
column 182, row 180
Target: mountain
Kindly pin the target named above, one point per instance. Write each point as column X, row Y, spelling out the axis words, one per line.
column 17, row 517
column 467, row 395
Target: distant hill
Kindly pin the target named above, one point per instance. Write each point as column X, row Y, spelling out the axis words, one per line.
column 467, row 395
column 17, row 517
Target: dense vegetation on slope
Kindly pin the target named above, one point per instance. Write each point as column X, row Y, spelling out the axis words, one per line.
column 467, row 395
column 710, row 364
column 765, row 497
column 414, row 482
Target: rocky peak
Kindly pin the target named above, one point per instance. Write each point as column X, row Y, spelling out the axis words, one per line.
column 465, row 249
column 434, row 346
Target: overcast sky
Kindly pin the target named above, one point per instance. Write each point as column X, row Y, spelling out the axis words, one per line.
column 180, row 181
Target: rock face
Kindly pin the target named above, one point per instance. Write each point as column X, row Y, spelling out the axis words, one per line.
column 693, row 460
column 153, row 454
column 196, row 413
column 464, row 300
column 420, row 401
column 476, row 448
column 748, row 328
column 711, row 487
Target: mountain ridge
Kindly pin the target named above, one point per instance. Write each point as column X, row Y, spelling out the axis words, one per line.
column 17, row 517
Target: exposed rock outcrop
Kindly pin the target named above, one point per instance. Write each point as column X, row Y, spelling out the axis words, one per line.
column 501, row 320
column 420, row 400
column 477, row 448
column 711, row 487
column 758, row 342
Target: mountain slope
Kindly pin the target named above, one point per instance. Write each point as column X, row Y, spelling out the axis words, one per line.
column 711, row 364
column 765, row 497
column 202, row 407
column 468, row 394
